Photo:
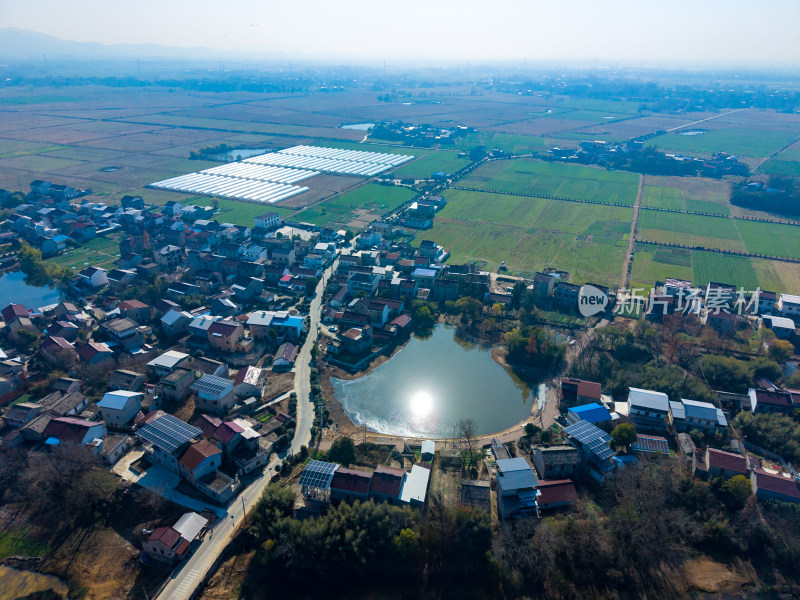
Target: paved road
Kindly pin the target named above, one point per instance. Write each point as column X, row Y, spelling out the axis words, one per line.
column 188, row 576
column 706, row 119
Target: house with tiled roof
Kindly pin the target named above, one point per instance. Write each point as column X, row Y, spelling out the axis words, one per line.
column 579, row 391
column 556, row 494
column 95, row 353
column 386, row 484
column 771, row 401
column 200, row 459
column 350, row 484
column 767, row 486
column 556, row 462
column 719, row 463
column 73, row 430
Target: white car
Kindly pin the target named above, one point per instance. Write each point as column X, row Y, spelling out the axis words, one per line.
column 333, row 329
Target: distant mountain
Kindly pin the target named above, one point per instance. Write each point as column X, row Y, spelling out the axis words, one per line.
column 21, row 44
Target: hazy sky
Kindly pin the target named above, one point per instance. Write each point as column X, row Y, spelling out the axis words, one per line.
column 671, row 31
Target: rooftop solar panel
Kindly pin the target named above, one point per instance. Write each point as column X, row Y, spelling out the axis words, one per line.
column 168, row 433
column 592, row 437
column 318, row 474
column 211, row 384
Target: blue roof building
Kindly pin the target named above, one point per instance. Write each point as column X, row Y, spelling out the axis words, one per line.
column 516, row 488
column 593, row 413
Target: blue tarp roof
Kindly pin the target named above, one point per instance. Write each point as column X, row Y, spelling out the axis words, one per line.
column 594, row 413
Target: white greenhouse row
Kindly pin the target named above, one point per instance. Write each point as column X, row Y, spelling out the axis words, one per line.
column 230, row 187
column 260, row 172
column 379, row 158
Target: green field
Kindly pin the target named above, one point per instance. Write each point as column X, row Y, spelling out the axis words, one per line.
column 530, row 234
column 235, row 211
column 746, row 142
column 773, row 239
column 101, row 252
column 653, row 263
column 691, row 230
column 341, row 209
column 774, row 166
column 537, row 178
column 693, row 194
column 601, row 224
column 440, row 160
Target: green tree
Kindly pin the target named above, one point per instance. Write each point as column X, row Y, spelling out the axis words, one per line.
column 517, row 294
column 624, row 435
column 781, row 350
column 532, row 430
column 342, row 451
column 423, row 317
column 735, row 491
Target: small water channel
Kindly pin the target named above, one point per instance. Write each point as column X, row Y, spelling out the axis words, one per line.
column 432, row 383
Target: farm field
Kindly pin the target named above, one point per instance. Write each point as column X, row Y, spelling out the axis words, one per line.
column 439, row 160
column 341, row 210
column 691, row 230
column 235, row 211
column 538, row 178
column 694, row 194
column 602, row 223
column 530, row 234
column 100, row 252
column 507, row 142
column 756, row 143
column 776, row 166
column 653, row 263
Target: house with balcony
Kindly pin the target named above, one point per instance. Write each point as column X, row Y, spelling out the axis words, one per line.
column 229, row 337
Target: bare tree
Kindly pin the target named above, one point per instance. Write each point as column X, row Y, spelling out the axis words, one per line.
column 467, row 430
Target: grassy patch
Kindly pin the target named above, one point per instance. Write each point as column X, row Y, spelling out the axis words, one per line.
column 441, row 160
column 18, row 543
column 341, row 209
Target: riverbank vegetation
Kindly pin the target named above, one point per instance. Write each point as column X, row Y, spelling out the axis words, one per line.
column 38, row 271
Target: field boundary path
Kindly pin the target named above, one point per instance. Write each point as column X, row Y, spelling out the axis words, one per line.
column 626, row 264
column 706, row 119
column 188, row 576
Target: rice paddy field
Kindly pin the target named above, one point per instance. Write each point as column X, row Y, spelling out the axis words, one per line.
column 655, row 263
column 539, row 178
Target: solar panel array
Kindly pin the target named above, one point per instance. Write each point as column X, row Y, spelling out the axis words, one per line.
column 236, row 188
column 211, row 384
column 592, row 437
column 168, row 433
column 318, row 474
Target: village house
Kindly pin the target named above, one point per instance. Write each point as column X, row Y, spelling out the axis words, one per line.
column 249, row 382
column 593, row 413
column 95, row 353
column 566, row 294
column 555, row 494
column 788, row 305
column 578, row 391
column 57, row 350
column 94, row 277
column 260, row 322
column 167, row 362
column 72, row 430
column 718, row 463
column 175, row 322
column 165, row 438
column 516, row 488
column 120, row 407
column 386, row 484
column 268, row 221
column 556, row 462
column 768, row 401
column 123, row 379
column 229, row 336
column 647, row 409
column 135, row 310
column 415, row 486
column 176, row 386
column 171, row 544
column 767, row 486
column 114, row 446
column 350, row 484
column 285, row 357
column 693, row 414
column 213, row 394
column 783, row 327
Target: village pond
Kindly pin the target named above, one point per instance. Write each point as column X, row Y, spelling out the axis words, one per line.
column 431, row 384
column 14, row 288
